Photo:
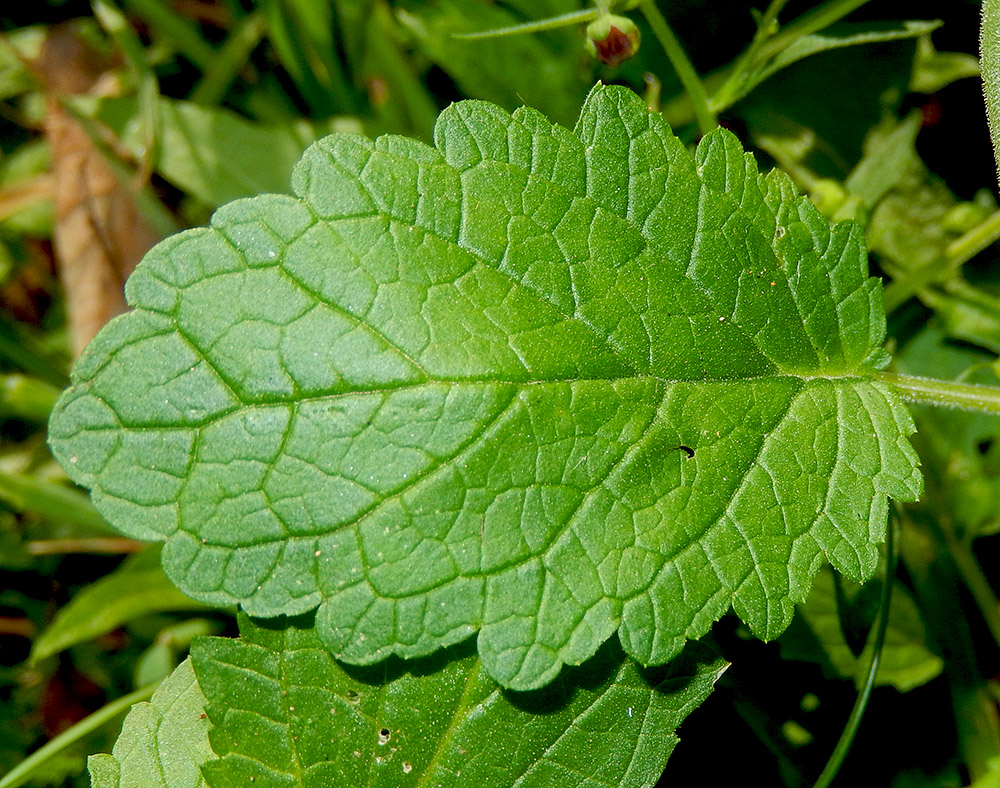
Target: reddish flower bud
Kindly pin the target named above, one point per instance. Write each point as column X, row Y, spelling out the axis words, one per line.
column 612, row 39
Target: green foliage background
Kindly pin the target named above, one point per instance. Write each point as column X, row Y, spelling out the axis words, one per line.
column 880, row 122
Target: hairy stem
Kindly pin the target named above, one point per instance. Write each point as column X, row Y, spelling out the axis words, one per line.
column 943, row 393
column 989, row 58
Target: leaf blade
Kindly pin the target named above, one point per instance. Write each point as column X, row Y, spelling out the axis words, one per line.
column 536, row 383
column 285, row 712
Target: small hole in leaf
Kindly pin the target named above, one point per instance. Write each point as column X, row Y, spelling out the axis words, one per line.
column 687, row 450
column 384, row 735
column 352, row 696
column 985, row 446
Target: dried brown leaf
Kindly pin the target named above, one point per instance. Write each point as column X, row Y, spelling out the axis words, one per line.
column 99, row 233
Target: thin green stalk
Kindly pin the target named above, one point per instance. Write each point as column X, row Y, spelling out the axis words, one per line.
column 181, row 32
column 942, row 393
column 975, row 580
column 957, row 253
column 147, row 90
column 679, row 60
column 26, row 769
column 742, row 68
column 231, row 57
column 854, row 721
column 820, row 17
column 537, row 26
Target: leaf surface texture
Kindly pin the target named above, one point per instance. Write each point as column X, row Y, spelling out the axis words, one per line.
column 537, row 383
column 285, row 713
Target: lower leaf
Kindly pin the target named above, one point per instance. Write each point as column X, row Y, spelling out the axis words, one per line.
column 284, row 712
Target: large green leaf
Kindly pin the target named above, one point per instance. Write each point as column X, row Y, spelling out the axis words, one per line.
column 285, row 713
column 537, row 383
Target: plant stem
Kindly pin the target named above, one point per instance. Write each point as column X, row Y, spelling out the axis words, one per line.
column 943, row 393
column 957, row 253
column 989, row 61
column 537, row 26
column 679, row 60
column 851, row 728
column 977, row 583
column 740, row 70
column 24, row 771
column 232, row 56
column 808, row 23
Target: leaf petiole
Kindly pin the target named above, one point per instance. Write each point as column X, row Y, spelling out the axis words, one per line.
column 942, row 393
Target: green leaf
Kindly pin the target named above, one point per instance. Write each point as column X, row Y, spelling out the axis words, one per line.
column 163, row 742
column 277, row 709
column 213, row 154
column 890, row 156
column 537, row 383
column 804, row 134
column 56, row 502
column 137, row 588
column 934, row 71
column 838, row 37
column 285, row 713
column 907, row 660
column 544, row 70
column 915, row 218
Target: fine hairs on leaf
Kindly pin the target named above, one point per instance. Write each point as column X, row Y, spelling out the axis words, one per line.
column 537, row 384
